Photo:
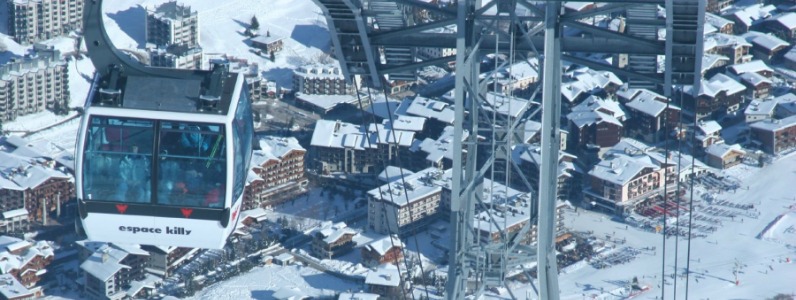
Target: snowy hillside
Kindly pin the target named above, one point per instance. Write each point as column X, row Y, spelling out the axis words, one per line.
column 221, row 26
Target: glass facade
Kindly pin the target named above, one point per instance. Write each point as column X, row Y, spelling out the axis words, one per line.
column 190, row 162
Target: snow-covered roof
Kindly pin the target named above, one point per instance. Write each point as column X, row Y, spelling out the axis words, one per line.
column 726, row 83
column 725, row 40
column 11, row 288
column 531, row 129
column 290, row 293
column 15, row 213
column 106, row 261
column 791, row 55
column 328, row 71
column 357, row 296
column 274, row 148
column 413, row 188
column 19, row 172
column 774, row 125
column 265, row 39
column 585, row 81
column 499, row 221
column 788, row 20
column 620, row 169
column 710, row 61
column 761, row 107
column 768, row 41
column 384, row 244
column 595, row 110
column 524, row 70
column 752, row 66
column 505, row 105
column 328, row 102
column 786, row 105
column 331, row 232
column 709, row 127
column 577, row 6
column 258, row 214
column 384, row 275
column 581, row 119
column 440, row 148
column 406, row 123
column 427, row 108
column 393, row 173
column 753, row 14
column 754, row 78
column 150, row 282
column 27, row 251
column 336, row 134
column 651, row 107
column 532, row 154
column 722, row 149
column 716, row 21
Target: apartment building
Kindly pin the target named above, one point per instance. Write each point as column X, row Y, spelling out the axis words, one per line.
column 650, row 115
column 277, row 172
column 621, row 180
column 385, row 250
column 111, row 270
column 735, row 48
column 32, row 186
column 716, row 6
column 25, row 260
column 436, row 153
column 172, row 23
column 775, row 135
column 595, row 122
column 12, row 289
column 331, row 240
column 517, row 78
column 386, row 281
column 720, row 93
column 162, row 261
column 722, row 25
column 405, row 206
column 30, row 21
column 532, row 134
column 783, row 25
column 339, row 147
column 177, row 56
column 760, row 110
column 723, row 156
column 766, row 47
column 321, row 80
column 530, row 162
column 33, row 83
column 579, row 84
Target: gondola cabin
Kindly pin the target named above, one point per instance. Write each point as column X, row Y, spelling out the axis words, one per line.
column 163, row 160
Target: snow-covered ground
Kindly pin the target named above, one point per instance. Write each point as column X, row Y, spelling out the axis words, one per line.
column 262, row 282
column 765, row 273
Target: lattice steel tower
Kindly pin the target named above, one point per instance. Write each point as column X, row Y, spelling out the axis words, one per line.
column 374, row 38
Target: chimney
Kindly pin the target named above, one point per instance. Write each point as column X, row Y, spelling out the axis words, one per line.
column 105, row 256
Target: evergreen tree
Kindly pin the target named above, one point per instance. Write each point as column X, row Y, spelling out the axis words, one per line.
column 254, row 23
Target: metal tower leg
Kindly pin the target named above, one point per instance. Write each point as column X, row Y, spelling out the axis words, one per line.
column 547, row 269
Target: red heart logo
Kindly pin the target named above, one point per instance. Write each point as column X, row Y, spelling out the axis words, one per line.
column 234, row 214
column 121, row 208
column 186, row 211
